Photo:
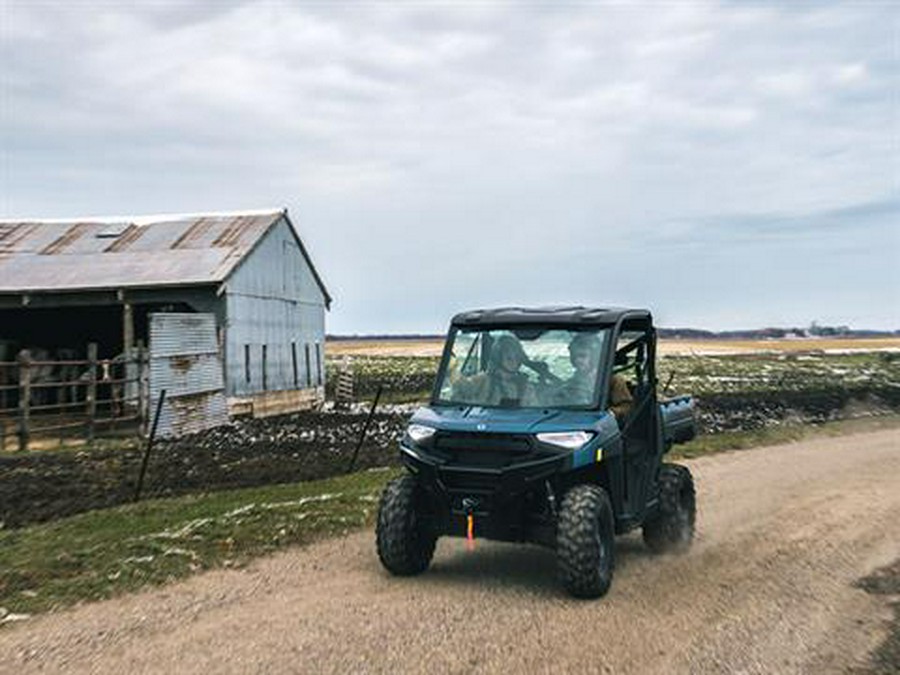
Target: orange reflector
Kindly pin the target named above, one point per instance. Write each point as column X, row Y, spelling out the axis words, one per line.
column 470, row 531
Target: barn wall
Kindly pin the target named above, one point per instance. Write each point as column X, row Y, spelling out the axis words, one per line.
column 274, row 301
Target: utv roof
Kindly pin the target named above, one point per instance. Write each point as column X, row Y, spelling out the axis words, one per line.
column 547, row 315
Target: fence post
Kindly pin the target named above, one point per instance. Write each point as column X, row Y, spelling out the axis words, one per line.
column 142, row 392
column 140, row 483
column 91, row 390
column 365, row 429
column 24, row 397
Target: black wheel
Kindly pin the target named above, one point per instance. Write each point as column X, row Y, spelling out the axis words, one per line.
column 585, row 541
column 672, row 529
column 405, row 543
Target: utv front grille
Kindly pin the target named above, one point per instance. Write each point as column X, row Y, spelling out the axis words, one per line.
column 481, row 450
column 471, row 441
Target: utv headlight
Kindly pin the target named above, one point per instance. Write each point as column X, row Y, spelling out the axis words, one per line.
column 570, row 440
column 419, row 432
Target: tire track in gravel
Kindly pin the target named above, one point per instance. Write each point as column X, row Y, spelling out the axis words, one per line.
column 782, row 534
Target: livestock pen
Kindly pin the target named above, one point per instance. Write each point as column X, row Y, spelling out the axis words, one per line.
column 45, row 399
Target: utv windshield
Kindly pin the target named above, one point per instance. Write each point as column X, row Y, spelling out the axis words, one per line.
column 523, row 367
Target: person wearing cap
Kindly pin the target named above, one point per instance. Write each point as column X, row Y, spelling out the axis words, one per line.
column 584, row 354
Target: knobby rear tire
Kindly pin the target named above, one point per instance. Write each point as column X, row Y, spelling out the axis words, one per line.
column 672, row 529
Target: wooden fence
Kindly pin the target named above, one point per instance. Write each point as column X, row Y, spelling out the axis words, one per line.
column 47, row 401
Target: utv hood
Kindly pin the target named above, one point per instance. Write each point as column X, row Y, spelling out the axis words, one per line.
column 506, row 421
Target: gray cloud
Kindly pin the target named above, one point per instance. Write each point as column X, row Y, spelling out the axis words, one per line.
column 439, row 156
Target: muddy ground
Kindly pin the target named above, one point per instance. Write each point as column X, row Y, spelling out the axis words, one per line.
column 41, row 486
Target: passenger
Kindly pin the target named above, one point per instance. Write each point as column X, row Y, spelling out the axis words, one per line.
column 584, row 353
column 620, row 399
column 502, row 382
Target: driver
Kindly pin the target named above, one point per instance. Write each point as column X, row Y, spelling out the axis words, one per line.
column 584, row 353
column 503, row 380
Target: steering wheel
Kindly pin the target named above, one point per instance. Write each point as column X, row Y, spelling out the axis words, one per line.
column 545, row 377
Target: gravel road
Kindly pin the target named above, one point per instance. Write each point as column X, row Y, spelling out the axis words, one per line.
column 783, row 533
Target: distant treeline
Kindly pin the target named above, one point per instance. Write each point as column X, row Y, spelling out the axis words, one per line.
column 385, row 336
column 774, row 333
column 686, row 333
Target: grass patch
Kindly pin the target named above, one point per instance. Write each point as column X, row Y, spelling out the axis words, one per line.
column 103, row 553
column 778, row 435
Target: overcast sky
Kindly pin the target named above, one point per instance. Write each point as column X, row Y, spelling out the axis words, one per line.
column 729, row 165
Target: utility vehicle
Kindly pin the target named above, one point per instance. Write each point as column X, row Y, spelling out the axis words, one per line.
column 519, row 444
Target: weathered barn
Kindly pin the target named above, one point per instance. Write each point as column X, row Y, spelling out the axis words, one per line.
column 229, row 304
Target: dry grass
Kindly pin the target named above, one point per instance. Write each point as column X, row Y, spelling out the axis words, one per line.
column 398, row 347
column 385, row 347
column 680, row 347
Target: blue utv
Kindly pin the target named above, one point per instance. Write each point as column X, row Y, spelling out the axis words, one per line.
column 544, row 426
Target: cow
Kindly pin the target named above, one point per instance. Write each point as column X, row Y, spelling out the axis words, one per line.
column 59, row 378
column 110, row 390
column 54, row 375
column 68, row 372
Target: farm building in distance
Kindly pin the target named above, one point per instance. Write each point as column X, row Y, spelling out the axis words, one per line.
column 230, row 306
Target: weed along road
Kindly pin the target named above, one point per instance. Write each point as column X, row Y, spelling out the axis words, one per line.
column 783, row 532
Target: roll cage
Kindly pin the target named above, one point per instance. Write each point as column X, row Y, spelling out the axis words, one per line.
column 636, row 355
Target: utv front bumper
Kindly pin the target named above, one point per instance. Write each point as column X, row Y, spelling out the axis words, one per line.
column 506, row 503
column 487, row 485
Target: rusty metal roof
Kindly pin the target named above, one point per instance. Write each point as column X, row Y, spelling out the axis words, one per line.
column 130, row 252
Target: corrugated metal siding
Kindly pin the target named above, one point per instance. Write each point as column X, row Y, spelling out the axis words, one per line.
column 256, row 322
column 184, row 334
column 190, row 413
column 187, row 373
column 185, row 362
column 273, row 299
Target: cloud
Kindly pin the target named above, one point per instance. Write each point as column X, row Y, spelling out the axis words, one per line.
column 863, row 220
column 500, row 139
column 851, row 74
